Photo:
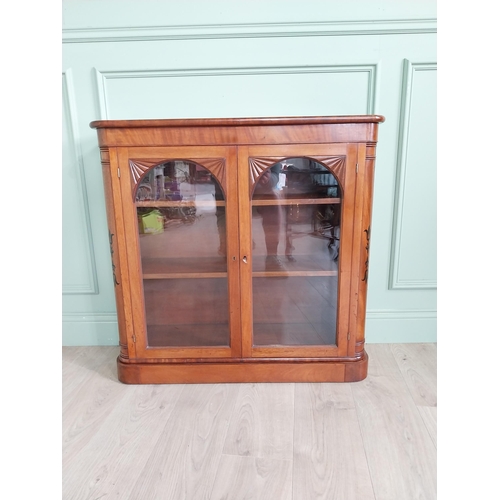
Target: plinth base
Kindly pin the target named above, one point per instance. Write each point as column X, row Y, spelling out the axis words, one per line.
column 244, row 371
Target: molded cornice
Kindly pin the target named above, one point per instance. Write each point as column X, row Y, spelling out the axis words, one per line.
column 253, row 30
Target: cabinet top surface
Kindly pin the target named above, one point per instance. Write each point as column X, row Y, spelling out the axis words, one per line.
column 234, row 122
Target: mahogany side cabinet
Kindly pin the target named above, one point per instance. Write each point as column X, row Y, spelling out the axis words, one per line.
column 239, row 246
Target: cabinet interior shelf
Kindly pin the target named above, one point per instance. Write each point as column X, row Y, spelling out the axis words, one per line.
column 256, row 274
column 256, row 202
column 167, row 276
column 285, row 274
column 179, row 204
column 203, row 268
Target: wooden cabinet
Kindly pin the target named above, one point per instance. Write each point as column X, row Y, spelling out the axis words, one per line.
column 240, row 247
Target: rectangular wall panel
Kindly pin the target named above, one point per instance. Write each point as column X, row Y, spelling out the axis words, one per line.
column 278, row 91
column 79, row 271
column 337, row 59
column 414, row 262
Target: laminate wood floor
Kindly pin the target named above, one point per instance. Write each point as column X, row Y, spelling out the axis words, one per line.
column 370, row 440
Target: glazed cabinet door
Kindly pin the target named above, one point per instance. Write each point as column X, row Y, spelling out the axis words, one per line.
column 181, row 230
column 297, row 219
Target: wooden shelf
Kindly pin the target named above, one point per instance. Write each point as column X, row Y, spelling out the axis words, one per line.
column 303, row 265
column 181, row 268
column 261, row 202
column 188, row 335
column 170, row 276
column 180, row 204
column 257, row 274
column 256, row 202
column 285, row 274
column 215, row 267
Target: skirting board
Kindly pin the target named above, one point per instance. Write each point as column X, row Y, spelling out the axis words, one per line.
column 388, row 327
column 381, row 327
column 89, row 329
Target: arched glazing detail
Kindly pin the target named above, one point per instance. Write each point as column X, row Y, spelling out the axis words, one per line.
column 181, row 208
column 296, row 219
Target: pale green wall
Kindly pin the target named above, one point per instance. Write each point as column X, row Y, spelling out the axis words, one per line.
column 152, row 59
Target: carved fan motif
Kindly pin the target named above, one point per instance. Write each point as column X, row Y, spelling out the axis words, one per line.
column 139, row 167
column 217, row 166
column 258, row 166
column 336, row 164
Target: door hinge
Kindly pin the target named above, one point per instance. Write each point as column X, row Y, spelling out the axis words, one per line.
column 133, row 339
column 357, row 166
column 118, row 171
column 348, row 336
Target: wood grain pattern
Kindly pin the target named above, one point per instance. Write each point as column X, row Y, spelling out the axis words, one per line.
column 252, row 478
column 195, row 372
column 113, row 457
column 222, row 122
column 100, row 394
column 237, row 151
column 77, row 368
column 117, row 247
column 417, row 363
column 89, row 363
column 256, row 202
column 234, row 131
column 329, row 458
column 364, row 256
column 429, row 416
column 365, row 440
column 260, row 426
column 184, row 461
column 399, row 449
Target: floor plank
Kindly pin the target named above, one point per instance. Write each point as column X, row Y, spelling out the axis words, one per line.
column 253, row 478
column 418, row 364
column 329, row 458
column 373, row 440
column 110, row 462
column 184, row 461
column 429, row 416
column 399, row 449
column 262, row 423
column 94, row 399
column 80, row 365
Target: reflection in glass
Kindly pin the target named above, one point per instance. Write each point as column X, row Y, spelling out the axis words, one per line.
column 179, row 205
column 296, row 212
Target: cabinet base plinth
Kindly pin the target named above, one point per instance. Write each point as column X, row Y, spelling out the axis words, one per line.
column 243, row 372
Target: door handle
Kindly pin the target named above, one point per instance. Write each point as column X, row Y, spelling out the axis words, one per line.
column 244, row 259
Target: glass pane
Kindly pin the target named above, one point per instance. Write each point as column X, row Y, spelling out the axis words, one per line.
column 296, row 212
column 180, row 214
